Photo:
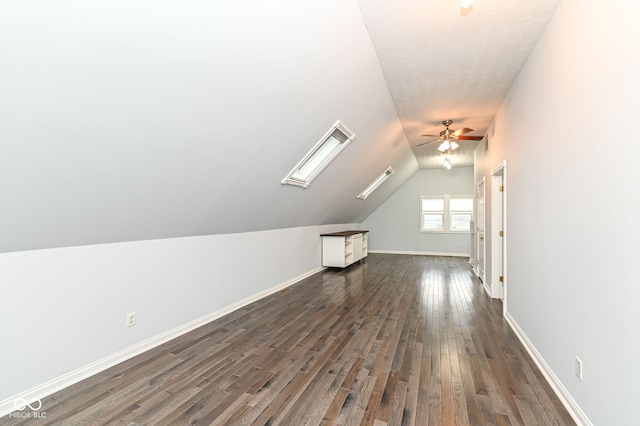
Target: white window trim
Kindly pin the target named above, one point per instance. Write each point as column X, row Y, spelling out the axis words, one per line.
column 376, row 183
column 446, row 220
column 290, row 180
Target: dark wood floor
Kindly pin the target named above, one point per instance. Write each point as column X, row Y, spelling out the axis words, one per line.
column 396, row 340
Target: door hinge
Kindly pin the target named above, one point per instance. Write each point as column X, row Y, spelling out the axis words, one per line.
column 501, row 188
column 502, row 233
column 501, row 279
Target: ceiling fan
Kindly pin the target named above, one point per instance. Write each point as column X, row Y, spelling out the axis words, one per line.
column 449, row 137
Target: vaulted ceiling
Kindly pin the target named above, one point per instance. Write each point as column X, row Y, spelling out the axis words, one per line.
column 132, row 120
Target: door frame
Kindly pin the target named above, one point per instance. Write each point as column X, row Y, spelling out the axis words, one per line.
column 499, row 243
column 481, row 240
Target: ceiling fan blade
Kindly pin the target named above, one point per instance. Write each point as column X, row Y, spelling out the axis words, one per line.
column 425, row 143
column 462, row 131
column 433, row 136
column 470, row 138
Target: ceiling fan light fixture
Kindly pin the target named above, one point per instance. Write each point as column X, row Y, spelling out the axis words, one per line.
column 444, row 146
column 454, row 145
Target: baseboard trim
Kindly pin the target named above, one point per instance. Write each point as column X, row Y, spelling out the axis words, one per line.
column 487, row 289
column 41, row 391
column 570, row 404
column 420, row 253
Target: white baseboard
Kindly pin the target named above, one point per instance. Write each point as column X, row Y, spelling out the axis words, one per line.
column 570, row 404
column 39, row 392
column 420, row 253
column 487, row 289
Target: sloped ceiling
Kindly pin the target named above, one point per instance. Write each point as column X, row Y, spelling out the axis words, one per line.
column 131, row 120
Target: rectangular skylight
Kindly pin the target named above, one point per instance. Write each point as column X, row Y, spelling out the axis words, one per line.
column 375, row 184
column 319, row 157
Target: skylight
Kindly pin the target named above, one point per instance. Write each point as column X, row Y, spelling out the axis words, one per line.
column 322, row 153
column 375, row 184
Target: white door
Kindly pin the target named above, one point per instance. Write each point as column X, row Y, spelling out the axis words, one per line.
column 499, row 282
column 480, row 231
column 498, row 224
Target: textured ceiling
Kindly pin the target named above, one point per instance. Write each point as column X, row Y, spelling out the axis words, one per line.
column 440, row 63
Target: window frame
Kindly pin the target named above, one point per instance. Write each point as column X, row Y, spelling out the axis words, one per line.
column 375, row 184
column 349, row 136
column 447, row 213
column 440, row 212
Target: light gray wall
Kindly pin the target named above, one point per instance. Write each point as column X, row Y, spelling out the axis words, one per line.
column 395, row 225
column 125, row 121
column 566, row 131
column 65, row 309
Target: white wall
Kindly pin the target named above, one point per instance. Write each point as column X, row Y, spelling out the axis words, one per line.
column 567, row 133
column 132, row 120
column 395, row 225
column 66, row 308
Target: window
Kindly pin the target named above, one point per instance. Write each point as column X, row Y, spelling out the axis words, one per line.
column 446, row 213
column 432, row 214
column 322, row 153
column 375, row 184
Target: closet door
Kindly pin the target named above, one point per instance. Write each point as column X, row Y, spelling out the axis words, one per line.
column 480, row 253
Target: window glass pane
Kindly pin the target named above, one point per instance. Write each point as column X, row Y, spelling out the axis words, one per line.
column 375, row 184
column 339, row 136
column 432, row 221
column 461, row 204
column 321, row 154
column 433, row 204
column 460, row 222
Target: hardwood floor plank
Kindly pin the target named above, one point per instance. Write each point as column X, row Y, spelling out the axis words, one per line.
column 413, row 386
column 525, row 411
column 355, row 404
column 369, row 416
column 397, row 412
column 488, row 416
column 303, row 412
column 335, row 406
column 386, row 402
column 395, row 340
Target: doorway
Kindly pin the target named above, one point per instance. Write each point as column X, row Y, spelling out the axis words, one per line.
column 498, row 234
column 480, row 225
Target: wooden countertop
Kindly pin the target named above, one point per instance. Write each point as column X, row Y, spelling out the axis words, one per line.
column 342, row 233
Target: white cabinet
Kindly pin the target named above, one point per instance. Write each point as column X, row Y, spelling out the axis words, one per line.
column 341, row 249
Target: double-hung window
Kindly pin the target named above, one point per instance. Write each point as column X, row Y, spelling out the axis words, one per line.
column 446, row 213
column 432, row 214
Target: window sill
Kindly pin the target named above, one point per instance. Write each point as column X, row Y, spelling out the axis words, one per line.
column 429, row 231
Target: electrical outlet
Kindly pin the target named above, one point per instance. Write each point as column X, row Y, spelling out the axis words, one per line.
column 579, row 368
column 131, row 319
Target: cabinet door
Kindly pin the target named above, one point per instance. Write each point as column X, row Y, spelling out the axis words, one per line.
column 333, row 252
column 357, row 247
column 349, row 253
column 365, row 244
